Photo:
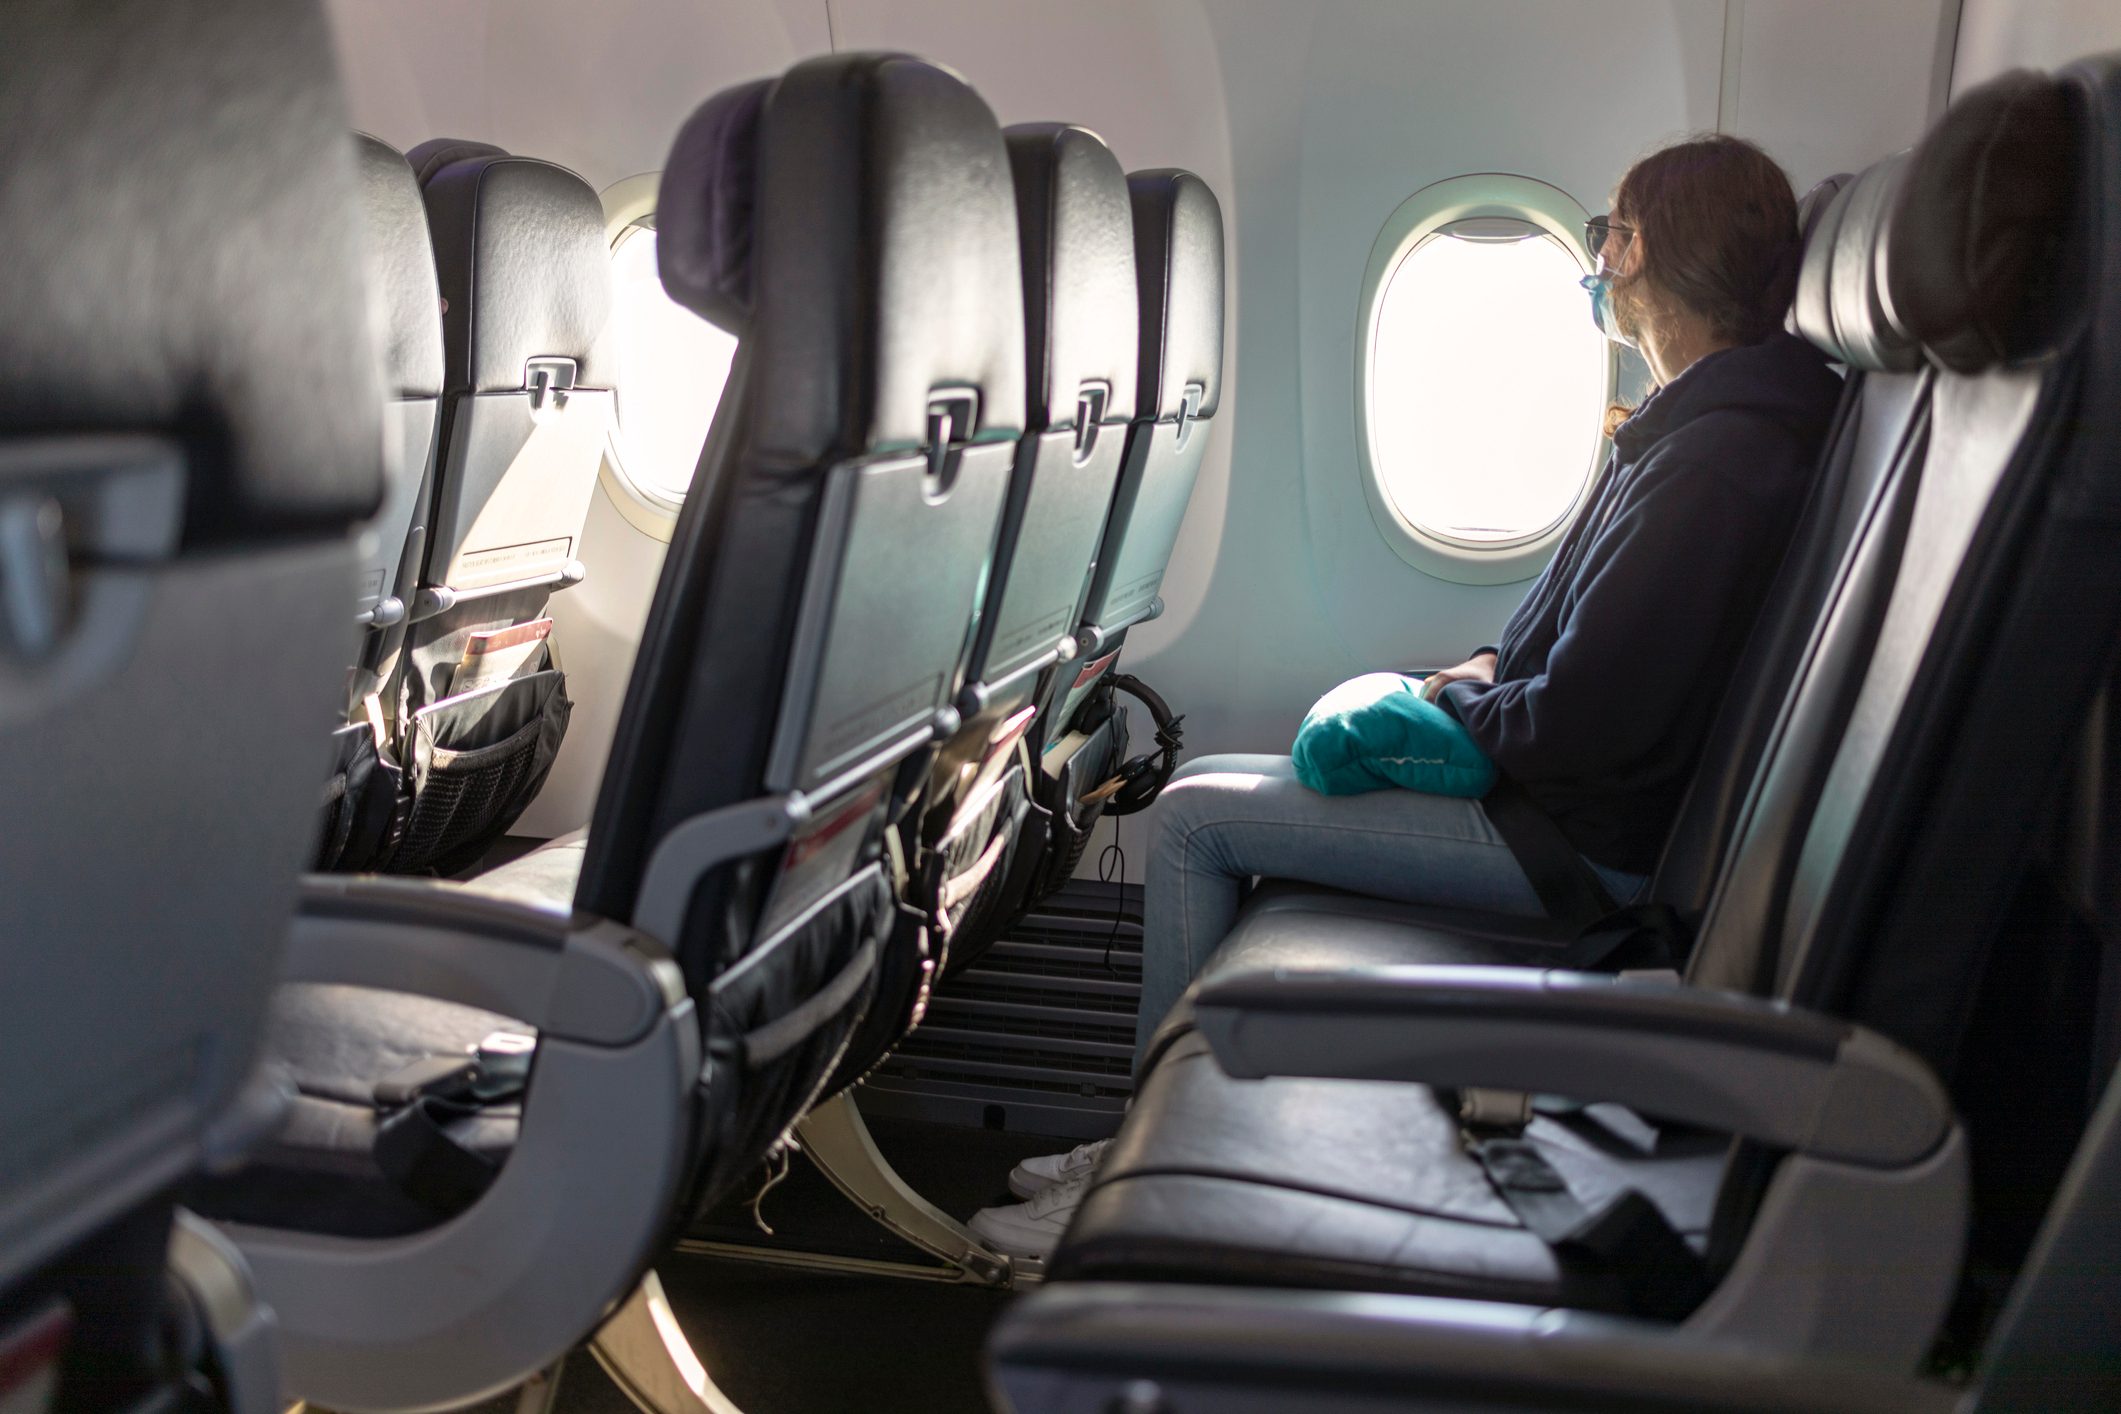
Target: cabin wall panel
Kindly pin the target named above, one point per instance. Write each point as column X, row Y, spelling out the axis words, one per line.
column 1311, row 121
column 601, row 89
column 1995, row 35
column 1828, row 86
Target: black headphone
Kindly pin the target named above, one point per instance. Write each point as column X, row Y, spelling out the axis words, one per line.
column 1145, row 775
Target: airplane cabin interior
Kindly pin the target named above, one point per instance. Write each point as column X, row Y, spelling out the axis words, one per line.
column 748, row 706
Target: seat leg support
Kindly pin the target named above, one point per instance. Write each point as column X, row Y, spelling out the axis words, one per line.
column 837, row 1140
column 646, row 1354
column 540, row 1394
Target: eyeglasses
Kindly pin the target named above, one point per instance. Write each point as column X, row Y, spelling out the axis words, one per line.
column 1601, row 229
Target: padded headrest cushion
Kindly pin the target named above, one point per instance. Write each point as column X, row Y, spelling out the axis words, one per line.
column 1811, row 207
column 433, row 155
column 525, row 272
column 706, row 204
column 1178, row 258
column 405, row 304
column 881, row 253
column 1979, row 220
column 1075, row 224
column 184, row 253
column 1840, row 302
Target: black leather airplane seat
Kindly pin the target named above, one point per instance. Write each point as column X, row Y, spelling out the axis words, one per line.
column 1831, row 901
column 852, row 222
column 361, row 799
column 188, row 399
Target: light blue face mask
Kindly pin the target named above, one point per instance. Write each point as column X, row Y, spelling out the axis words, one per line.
column 1600, row 286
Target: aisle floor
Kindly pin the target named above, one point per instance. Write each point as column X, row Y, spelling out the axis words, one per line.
column 779, row 1341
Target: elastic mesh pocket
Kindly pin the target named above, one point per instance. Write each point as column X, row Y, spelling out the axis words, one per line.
column 464, row 795
column 778, row 1024
column 477, row 763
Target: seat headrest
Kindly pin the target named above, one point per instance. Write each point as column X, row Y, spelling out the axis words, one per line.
column 184, row 254
column 405, row 304
column 853, row 223
column 705, row 206
column 1075, row 224
column 524, row 269
column 1980, row 219
column 1178, row 259
column 1841, row 305
column 1811, row 207
column 433, row 155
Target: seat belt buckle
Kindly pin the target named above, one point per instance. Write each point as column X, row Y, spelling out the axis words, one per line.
column 502, row 1065
column 1481, row 1108
column 430, row 1075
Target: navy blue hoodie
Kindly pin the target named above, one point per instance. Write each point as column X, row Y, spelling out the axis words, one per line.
column 1609, row 673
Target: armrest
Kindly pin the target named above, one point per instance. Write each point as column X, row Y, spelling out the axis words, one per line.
column 572, row 976
column 1758, row 1069
column 1103, row 1346
column 457, row 1312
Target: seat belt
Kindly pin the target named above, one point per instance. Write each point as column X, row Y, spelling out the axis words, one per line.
column 413, row 1146
column 1628, row 1240
column 1643, row 937
column 1569, row 890
column 416, row 1154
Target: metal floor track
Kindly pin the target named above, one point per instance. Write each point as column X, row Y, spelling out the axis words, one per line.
column 1038, row 1034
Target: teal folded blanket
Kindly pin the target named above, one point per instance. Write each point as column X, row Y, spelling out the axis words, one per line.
column 1374, row 732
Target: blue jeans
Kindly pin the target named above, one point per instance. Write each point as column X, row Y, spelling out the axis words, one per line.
column 1226, row 819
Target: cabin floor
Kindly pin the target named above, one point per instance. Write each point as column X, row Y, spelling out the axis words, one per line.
column 782, row 1341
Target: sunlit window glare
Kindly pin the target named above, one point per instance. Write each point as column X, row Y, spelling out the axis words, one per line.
column 672, row 365
column 1487, row 386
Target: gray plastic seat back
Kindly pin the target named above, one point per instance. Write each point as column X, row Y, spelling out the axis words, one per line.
column 188, row 432
column 1178, row 252
column 526, row 297
column 1076, row 231
column 453, row 729
column 1178, row 262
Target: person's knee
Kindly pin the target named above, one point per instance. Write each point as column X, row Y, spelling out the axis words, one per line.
column 1197, row 791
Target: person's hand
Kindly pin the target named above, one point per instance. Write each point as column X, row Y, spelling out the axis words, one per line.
column 1478, row 668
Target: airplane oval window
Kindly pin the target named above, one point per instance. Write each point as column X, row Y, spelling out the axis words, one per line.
column 671, row 368
column 1483, row 383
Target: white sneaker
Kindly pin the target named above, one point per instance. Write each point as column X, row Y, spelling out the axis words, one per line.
column 1031, row 1229
column 1034, row 1176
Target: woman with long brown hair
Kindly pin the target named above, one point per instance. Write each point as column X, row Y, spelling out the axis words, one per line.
column 1596, row 701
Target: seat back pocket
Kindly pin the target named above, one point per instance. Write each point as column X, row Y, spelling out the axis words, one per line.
column 477, row 760
column 779, row 1021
